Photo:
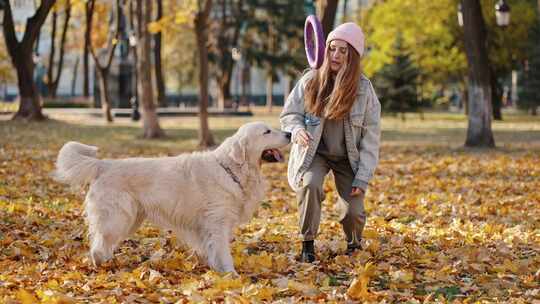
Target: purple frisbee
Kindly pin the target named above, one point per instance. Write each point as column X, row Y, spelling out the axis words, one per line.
column 314, row 41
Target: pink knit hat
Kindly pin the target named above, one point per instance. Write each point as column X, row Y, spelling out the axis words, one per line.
column 351, row 33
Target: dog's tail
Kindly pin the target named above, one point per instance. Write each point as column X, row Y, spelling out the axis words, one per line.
column 77, row 164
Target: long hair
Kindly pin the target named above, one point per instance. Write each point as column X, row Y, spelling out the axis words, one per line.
column 331, row 96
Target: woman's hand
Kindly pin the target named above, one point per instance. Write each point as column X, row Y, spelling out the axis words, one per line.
column 303, row 137
column 356, row 191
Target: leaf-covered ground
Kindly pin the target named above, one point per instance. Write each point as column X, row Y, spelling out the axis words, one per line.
column 444, row 224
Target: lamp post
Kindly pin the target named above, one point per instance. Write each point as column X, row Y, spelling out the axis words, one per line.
column 460, row 15
column 135, row 114
column 237, row 56
column 502, row 13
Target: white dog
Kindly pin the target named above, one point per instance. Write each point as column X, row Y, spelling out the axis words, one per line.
column 200, row 196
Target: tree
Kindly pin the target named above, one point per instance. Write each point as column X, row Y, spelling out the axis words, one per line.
column 507, row 46
column 103, row 68
column 193, row 15
column 151, row 125
column 180, row 56
column 21, row 57
column 88, row 12
column 52, row 79
column 436, row 39
column 201, row 30
column 160, row 80
column 326, row 11
column 6, row 69
column 226, row 33
column 479, row 132
column 274, row 30
column 530, row 96
column 397, row 81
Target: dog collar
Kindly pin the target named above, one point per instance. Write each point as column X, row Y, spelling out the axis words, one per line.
column 232, row 175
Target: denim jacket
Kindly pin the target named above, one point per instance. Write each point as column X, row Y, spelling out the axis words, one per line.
column 361, row 127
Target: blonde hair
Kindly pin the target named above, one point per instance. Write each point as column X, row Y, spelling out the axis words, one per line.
column 332, row 97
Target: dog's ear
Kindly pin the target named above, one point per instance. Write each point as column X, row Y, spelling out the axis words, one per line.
column 238, row 151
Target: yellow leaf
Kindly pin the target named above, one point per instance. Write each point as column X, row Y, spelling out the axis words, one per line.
column 510, row 266
column 26, row 297
column 370, row 234
column 358, row 289
column 359, row 286
column 228, row 283
column 236, row 299
column 301, row 287
column 53, row 284
column 62, row 299
column 281, row 263
column 402, row 276
column 265, row 293
column 154, row 27
column 139, row 283
column 154, row 276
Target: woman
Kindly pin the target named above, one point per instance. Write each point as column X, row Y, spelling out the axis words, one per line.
column 334, row 116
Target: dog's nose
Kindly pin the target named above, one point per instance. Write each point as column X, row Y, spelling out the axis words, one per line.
column 288, row 135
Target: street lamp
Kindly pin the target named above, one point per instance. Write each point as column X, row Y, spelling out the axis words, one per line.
column 132, row 39
column 2, row 8
column 237, row 56
column 502, row 13
column 460, row 15
column 134, row 101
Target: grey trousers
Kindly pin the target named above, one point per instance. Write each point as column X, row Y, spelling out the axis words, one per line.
column 311, row 195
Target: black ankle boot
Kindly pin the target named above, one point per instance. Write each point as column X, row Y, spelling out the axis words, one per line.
column 351, row 249
column 308, row 252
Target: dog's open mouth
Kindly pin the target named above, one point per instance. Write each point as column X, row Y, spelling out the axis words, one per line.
column 272, row 156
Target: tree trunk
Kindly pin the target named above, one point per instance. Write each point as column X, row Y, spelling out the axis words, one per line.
column 224, row 96
column 205, row 136
column 287, row 88
column 89, row 12
column 150, row 119
column 74, row 79
column 344, row 17
column 245, row 83
column 479, row 133
column 30, row 101
column 497, row 97
column 269, row 86
column 326, row 11
column 52, row 52
column 53, row 80
column 227, row 38
column 464, row 96
column 103, row 74
column 133, row 23
column 160, row 80
column 21, row 57
column 104, row 68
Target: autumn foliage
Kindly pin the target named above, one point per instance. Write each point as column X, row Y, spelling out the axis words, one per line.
column 444, row 224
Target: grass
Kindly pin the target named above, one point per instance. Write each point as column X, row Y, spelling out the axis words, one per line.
column 437, row 129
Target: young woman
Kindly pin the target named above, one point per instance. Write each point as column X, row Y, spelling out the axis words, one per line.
column 334, row 116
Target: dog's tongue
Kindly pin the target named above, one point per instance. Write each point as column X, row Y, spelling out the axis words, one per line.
column 277, row 155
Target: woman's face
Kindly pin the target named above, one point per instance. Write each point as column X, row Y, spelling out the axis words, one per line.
column 338, row 54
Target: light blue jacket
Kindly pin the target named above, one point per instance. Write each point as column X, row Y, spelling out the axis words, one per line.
column 362, row 133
